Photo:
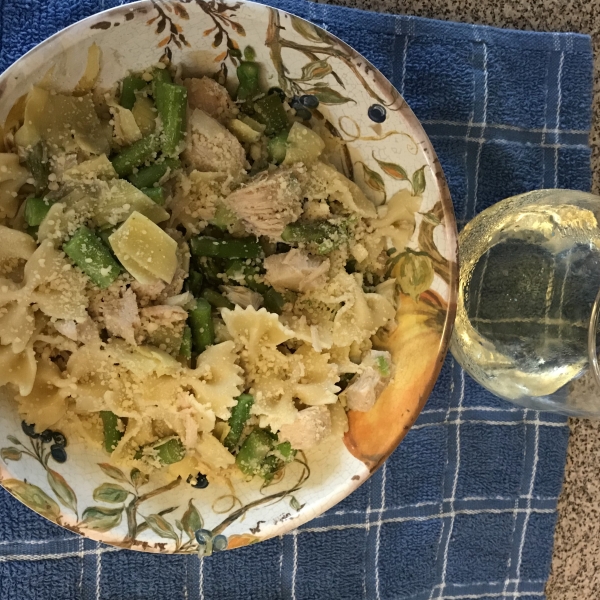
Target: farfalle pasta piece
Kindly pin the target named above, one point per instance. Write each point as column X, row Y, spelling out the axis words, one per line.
column 17, row 324
column 317, row 386
column 319, row 336
column 52, row 283
column 253, row 328
column 46, row 403
column 12, row 177
column 274, row 397
column 397, row 219
column 212, row 455
column 18, row 369
column 142, row 361
column 164, row 399
column 324, row 182
column 217, row 380
column 359, row 314
column 269, row 372
column 14, row 246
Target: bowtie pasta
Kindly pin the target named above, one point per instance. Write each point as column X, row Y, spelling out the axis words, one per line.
column 186, row 279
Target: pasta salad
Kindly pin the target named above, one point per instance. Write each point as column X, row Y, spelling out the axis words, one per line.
column 188, row 281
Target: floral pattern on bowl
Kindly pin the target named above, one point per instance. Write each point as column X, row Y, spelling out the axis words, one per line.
column 383, row 149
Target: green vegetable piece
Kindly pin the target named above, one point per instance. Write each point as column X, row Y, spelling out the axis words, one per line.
column 210, row 269
column 131, row 84
column 171, row 451
column 171, row 102
column 236, row 248
column 36, row 210
column 185, row 349
column 194, row 283
column 327, row 235
column 216, row 299
column 201, row 324
column 383, row 367
column 112, row 435
column 282, row 454
column 37, row 162
column 159, row 76
column 285, row 452
column 133, row 156
column 274, row 301
column 277, row 147
column 270, row 112
column 88, row 252
column 148, row 176
column 269, row 467
column 236, row 269
column 248, row 74
column 240, row 414
column 156, row 194
column 253, row 451
column 239, row 269
column 224, row 217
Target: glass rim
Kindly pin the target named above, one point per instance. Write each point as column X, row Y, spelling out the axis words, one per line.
column 592, row 347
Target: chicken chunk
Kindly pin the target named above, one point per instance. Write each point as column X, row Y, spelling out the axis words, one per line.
column 296, row 270
column 212, row 148
column 67, row 328
column 269, row 202
column 181, row 273
column 311, row 425
column 162, row 326
column 362, row 394
column 148, row 292
column 207, row 95
column 242, row 296
column 121, row 316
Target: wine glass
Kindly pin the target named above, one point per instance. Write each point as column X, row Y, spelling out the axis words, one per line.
column 528, row 301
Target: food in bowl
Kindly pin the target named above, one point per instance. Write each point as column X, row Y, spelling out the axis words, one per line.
column 187, row 280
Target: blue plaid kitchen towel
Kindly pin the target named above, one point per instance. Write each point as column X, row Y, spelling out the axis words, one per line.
column 466, row 506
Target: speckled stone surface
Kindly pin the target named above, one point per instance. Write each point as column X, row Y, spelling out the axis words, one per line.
column 576, row 563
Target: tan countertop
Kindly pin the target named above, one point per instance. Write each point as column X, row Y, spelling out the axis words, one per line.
column 576, row 562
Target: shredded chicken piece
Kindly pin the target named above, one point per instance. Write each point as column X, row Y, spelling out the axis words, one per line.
column 207, row 95
column 269, row 202
column 121, row 316
column 179, row 299
column 242, row 296
column 148, row 292
column 311, row 425
column 183, row 267
column 296, row 270
column 163, row 314
column 362, row 394
column 212, row 148
column 66, row 328
column 161, row 324
column 87, row 332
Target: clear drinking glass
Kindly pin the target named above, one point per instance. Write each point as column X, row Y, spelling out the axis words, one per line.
column 527, row 316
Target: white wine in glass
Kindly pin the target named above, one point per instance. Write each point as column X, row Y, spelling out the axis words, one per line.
column 529, row 282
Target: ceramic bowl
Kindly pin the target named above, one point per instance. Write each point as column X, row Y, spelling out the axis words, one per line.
column 73, row 485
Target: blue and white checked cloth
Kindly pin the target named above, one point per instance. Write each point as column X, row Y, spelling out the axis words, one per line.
column 466, row 507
